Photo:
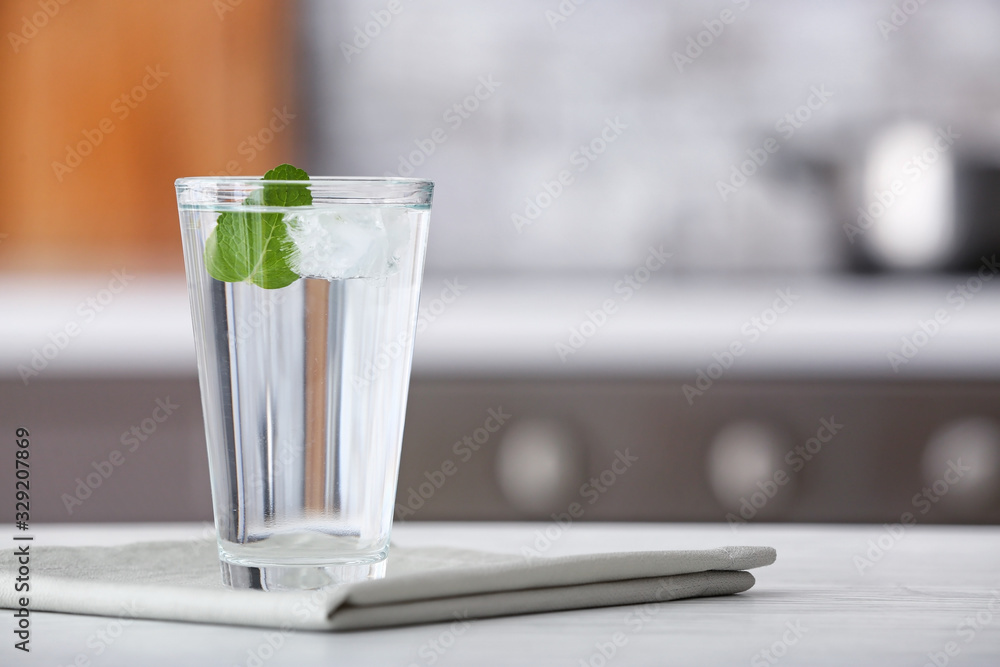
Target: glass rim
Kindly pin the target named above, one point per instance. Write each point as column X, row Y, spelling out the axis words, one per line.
column 251, row 181
column 326, row 190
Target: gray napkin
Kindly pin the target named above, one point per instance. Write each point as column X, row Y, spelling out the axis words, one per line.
column 180, row 581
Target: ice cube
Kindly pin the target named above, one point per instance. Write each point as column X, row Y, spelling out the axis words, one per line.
column 398, row 227
column 339, row 242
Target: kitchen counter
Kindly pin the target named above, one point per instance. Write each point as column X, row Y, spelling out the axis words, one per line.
column 837, row 595
column 592, row 325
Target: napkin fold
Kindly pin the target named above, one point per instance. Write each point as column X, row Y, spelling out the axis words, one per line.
column 180, row 581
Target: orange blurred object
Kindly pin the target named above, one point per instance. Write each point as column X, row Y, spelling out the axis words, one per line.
column 108, row 101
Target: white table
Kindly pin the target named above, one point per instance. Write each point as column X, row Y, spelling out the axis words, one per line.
column 812, row 607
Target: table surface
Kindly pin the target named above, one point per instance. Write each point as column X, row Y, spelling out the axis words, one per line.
column 837, row 595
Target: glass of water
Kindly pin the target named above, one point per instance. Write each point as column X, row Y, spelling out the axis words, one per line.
column 304, row 367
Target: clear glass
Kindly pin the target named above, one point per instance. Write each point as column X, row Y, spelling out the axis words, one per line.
column 304, row 387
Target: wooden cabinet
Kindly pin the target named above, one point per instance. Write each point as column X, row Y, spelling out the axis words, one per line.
column 106, row 102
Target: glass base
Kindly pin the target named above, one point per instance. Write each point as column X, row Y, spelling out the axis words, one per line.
column 272, row 577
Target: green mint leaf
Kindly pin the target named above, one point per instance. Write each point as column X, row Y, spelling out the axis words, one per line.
column 252, row 246
column 285, row 194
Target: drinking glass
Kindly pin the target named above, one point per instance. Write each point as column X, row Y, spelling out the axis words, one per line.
column 304, row 386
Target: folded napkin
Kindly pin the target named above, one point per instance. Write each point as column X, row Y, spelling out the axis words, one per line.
column 181, row 581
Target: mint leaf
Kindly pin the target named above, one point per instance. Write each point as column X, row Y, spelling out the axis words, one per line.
column 252, row 246
column 286, row 195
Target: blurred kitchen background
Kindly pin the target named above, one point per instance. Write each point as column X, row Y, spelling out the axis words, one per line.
column 697, row 261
